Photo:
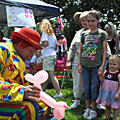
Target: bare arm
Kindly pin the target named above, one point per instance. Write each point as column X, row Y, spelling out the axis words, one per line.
column 118, row 93
column 79, row 59
column 102, row 76
column 117, row 43
column 68, row 63
column 101, row 69
column 44, row 44
column 71, row 53
column 56, row 47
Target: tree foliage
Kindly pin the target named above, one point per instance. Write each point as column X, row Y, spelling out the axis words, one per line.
column 109, row 10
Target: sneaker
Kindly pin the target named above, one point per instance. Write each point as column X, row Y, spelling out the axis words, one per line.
column 99, row 106
column 86, row 113
column 75, row 104
column 93, row 114
column 58, row 96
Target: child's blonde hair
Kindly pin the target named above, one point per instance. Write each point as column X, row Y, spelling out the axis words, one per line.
column 84, row 15
column 46, row 27
column 115, row 57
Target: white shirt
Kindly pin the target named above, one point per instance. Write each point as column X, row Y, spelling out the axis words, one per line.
column 52, row 42
column 73, row 50
column 35, row 60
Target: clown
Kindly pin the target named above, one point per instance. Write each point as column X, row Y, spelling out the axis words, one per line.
column 16, row 95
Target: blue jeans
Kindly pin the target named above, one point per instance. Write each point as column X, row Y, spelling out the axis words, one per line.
column 91, row 83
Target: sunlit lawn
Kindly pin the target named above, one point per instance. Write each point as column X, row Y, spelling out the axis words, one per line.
column 77, row 113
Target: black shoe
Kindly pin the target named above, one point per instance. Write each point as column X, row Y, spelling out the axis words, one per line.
column 109, row 119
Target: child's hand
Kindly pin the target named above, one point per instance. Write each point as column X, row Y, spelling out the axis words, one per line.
column 116, row 96
column 80, row 69
column 101, row 78
column 101, row 73
column 100, row 70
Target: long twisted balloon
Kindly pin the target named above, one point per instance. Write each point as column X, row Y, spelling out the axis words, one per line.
column 59, row 107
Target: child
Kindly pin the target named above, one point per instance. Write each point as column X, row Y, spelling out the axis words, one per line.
column 109, row 95
column 36, row 62
column 91, row 61
column 49, row 44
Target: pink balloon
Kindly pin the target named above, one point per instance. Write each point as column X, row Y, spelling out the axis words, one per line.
column 41, row 76
column 38, row 78
column 29, row 78
column 58, row 114
column 48, row 99
column 59, row 107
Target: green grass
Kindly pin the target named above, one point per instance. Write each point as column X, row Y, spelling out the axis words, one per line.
column 77, row 113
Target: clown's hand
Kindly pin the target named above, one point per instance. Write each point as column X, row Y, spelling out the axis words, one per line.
column 32, row 92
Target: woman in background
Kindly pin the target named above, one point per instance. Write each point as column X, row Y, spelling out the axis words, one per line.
column 112, row 40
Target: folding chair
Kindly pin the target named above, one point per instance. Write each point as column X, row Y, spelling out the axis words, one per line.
column 33, row 70
column 61, row 67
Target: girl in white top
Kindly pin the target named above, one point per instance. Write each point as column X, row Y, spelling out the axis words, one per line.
column 52, row 42
column 49, row 44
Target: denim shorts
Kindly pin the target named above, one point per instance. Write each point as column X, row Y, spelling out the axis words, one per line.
column 91, row 83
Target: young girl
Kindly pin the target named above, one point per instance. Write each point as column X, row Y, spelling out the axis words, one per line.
column 49, row 44
column 36, row 62
column 91, row 62
column 109, row 95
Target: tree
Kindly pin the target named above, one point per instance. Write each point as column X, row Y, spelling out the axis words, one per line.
column 109, row 10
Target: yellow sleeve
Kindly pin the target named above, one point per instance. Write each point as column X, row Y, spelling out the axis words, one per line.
column 9, row 91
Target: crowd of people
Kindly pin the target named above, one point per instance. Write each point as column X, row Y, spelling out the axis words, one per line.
column 98, row 52
column 93, row 56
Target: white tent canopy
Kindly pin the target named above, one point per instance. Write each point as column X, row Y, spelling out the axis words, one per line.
column 40, row 9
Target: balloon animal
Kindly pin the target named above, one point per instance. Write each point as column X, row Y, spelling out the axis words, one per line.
column 59, row 107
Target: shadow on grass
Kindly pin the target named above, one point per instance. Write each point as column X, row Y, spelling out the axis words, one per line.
column 77, row 113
